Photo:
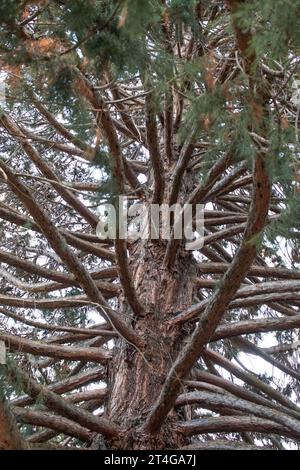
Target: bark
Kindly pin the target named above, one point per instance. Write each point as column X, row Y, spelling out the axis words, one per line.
column 232, row 424
column 10, row 438
column 20, row 345
column 63, row 425
column 160, row 314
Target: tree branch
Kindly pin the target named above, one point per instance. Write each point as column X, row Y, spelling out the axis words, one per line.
column 62, row 406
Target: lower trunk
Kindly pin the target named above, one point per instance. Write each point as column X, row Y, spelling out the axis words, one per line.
column 136, row 379
column 10, row 437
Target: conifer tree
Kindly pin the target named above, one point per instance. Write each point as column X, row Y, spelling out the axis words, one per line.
column 115, row 343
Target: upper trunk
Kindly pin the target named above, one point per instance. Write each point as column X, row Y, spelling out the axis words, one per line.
column 136, row 378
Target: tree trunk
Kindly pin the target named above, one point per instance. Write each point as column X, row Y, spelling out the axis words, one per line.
column 136, row 378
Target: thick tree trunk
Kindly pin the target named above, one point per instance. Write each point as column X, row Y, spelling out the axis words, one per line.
column 136, row 378
column 10, row 438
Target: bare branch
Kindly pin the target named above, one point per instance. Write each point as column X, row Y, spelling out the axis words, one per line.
column 49, row 420
column 62, row 406
column 220, row 300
